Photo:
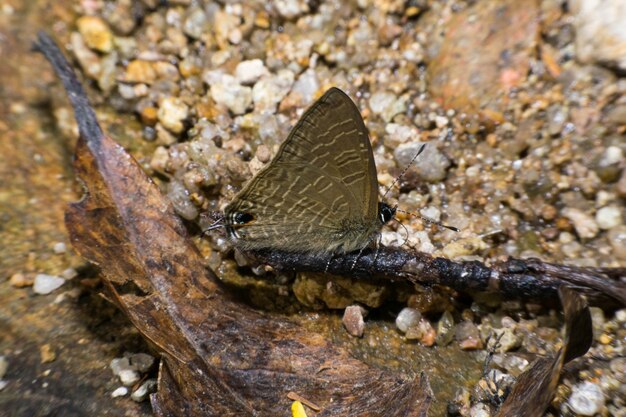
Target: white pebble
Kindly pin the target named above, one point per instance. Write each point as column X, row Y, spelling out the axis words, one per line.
column 407, row 318
column 585, row 225
column 480, row 410
column 128, row 377
column 228, row 92
column 45, row 284
column 249, row 72
column 59, row 248
column 144, row 390
column 117, row 365
column 172, row 112
column 609, row 217
column 587, row 399
column 119, row 392
column 3, row 384
column 69, row 273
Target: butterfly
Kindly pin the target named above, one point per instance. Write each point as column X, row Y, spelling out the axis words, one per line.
column 320, row 192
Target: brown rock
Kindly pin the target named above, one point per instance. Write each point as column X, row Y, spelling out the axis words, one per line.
column 485, row 51
column 353, row 320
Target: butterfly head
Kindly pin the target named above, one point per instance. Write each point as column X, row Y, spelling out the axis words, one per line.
column 385, row 212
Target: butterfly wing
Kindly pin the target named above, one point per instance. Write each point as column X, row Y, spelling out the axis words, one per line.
column 320, row 190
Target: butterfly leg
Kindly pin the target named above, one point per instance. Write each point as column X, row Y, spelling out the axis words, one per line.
column 332, row 256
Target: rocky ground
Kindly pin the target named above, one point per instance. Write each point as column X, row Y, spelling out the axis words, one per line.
column 522, row 106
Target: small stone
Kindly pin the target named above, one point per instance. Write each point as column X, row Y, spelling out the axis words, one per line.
column 141, row 362
column 119, row 392
column 195, row 24
column 47, row 353
column 407, row 318
column 386, row 104
column 45, row 284
column 141, row 393
column 69, row 273
column 4, row 366
column 59, row 248
column 129, row 377
column 20, row 280
column 504, row 340
column 119, row 364
column 432, row 165
column 3, row 384
column 225, row 90
column 609, row 217
column 172, row 113
column 263, row 154
column 618, row 367
column 249, row 72
column 587, row 399
column 585, row 225
column 468, row 336
column 96, row 33
column 290, row 9
column 353, row 320
column 303, row 92
column 480, row 410
column 445, row 327
column 464, row 247
column 140, row 71
column 427, row 331
column 270, row 90
column 617, row 239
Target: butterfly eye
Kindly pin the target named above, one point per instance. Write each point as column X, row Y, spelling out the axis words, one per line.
column 242, row 218
column 385, row 212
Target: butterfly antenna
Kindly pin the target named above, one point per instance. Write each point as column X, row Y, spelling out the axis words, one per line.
column 395, row 181
column 215, row 225
column 430, row 221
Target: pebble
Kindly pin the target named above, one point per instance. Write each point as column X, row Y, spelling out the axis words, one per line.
column 4, row 366
column 431, row 165
column 96, row 33
column 20, row 280
column 141, row 362
column 585, row 225
column 407, row 318
column 617, row 239
column 172, row 113
column 387, row 105
column 47, row 354
column 249, row 72
column 618, row 367
column 504, row 340
column 69, row 273
column 600, row 32
column 195, row 23
column 119, row 392
column 226, row 91
column 3, row 384
column 128, row 377
column 145, row 389
column 608, row 217
column 45, row 284
column 480, row 410
column 303, row 91
column 271, row 89
column 140, row 71
column 445, row 329
column 290, row 9
column 468, row 336
column 59, row 248
column 587, row 399
column 353, row 320
column 464, row 247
